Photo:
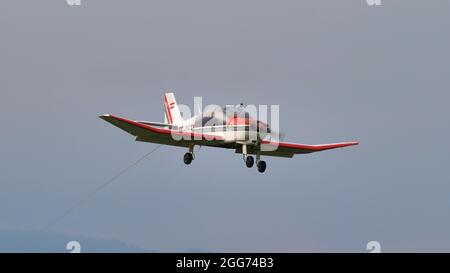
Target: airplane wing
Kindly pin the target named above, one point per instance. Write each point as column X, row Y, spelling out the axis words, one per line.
column 148, row 133
column 286, row 149
column 158, row 124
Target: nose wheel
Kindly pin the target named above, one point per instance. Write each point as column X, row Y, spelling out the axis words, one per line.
column 249, row 161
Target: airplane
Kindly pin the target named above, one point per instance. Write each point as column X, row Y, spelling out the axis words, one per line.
column 225, row 127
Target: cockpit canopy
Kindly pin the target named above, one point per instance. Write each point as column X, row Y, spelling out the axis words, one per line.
column 222, row 115
column 231, row 115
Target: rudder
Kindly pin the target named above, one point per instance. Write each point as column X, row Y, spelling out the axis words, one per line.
column 171, row 108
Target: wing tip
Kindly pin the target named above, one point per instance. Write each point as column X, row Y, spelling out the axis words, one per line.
column 105, row 116
column 341, row 145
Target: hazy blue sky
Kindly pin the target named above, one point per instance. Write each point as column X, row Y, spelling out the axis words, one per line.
column 340, row 70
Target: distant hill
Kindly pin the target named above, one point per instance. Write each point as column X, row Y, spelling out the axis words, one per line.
column 40, row 241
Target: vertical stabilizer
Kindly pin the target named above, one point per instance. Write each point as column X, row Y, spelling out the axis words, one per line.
column 173, row 114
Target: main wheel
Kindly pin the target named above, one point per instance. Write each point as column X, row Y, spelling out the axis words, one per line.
column 188, row 158
column 249, row 161
column 261, row 166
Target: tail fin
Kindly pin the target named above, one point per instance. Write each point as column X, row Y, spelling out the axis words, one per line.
column 171, row 108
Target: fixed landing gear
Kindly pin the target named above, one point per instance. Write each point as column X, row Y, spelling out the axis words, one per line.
column 249, row 161
column 261, row 166
column 188, row 157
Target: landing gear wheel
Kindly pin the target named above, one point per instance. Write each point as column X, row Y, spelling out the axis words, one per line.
column 249, row 161
column 261, row 166
column 188, row 157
